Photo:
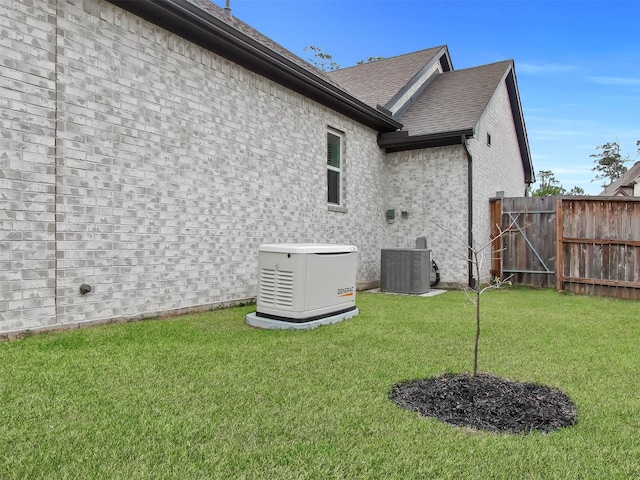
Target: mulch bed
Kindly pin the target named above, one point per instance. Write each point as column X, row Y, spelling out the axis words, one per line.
column 499, row 405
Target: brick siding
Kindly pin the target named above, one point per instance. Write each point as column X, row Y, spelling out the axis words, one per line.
column 430, row 185
column 495, row 168
column 173, row 166
column 27, row 164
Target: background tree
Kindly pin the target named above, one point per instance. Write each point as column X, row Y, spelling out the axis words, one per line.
column 369, row 60
column 548, row 185
column 324, row 61
column 320, row 59
column 609, row 163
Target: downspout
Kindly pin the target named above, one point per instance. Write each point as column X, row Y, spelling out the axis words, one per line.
column 471, row 279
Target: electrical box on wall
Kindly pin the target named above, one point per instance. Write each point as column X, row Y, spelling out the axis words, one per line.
column 304, row 284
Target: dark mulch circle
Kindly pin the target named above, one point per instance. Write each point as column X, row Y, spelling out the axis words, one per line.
column 499, row 405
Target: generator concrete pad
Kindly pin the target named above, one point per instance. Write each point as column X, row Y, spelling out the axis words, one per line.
column 255, row 321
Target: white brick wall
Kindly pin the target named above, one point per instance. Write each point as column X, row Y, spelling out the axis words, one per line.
column 27, row 164
column 430, row 185
column 174, row 165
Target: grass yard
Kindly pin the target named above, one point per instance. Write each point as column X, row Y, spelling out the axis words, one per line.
column 205, row 397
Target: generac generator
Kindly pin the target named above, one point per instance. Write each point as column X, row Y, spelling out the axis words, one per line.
column 304, row 285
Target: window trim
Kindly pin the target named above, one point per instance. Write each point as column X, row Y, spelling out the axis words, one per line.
column 340, row 206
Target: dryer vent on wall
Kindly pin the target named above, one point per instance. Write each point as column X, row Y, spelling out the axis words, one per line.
column 405, row 270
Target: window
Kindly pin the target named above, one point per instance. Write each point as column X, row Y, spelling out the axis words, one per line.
column 488, row 139
column 334, row 168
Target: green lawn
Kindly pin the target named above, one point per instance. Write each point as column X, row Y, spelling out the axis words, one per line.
column 204, row 396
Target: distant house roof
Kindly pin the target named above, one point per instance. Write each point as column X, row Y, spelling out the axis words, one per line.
column 624, row 186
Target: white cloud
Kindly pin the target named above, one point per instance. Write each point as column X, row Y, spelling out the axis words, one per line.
column 558, row 133
column 576, row 170
column 617, row 81
column 544, row 69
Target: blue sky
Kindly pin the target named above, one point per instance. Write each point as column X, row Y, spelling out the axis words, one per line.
column 577, row 62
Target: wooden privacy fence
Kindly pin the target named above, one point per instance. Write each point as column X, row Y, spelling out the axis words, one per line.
column 584, row 245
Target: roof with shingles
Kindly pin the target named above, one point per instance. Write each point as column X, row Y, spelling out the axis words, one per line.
column 377, row 82
column 626, row 181
column 454, row 100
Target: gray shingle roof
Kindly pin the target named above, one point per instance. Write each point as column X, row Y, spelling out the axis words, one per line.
column 624, row 185
column 454, row 100
column 377, row 82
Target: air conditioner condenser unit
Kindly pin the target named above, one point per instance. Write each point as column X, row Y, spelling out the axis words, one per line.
column 405, row 270
column 304, row 285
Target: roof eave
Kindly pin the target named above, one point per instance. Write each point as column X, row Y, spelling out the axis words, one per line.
column 194, row 24
column 401, row 141
column 521, row 130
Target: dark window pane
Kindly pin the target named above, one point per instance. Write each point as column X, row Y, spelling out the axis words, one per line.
column 333, row 183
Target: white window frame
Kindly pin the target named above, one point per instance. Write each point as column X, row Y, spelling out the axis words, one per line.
column 339, row 170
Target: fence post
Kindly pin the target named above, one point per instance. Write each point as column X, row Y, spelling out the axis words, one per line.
column 559, row 248
column 496, row 247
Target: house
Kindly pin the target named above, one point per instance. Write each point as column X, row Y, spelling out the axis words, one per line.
column 463, row 139
column 628, row 185
column 148, row 148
